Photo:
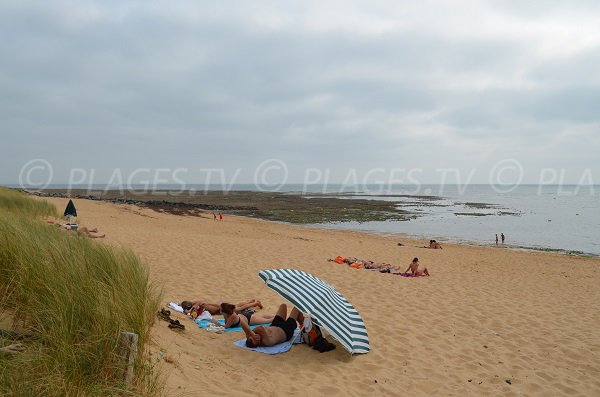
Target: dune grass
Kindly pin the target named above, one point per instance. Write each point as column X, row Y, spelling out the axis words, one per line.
column 15, row 202
column 74, row 296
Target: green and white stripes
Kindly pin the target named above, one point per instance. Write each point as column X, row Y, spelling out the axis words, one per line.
column 327, row 307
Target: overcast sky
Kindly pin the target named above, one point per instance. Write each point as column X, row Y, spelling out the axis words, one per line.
column 332, row 85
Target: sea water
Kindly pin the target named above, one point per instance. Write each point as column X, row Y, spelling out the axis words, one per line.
column 544, row 217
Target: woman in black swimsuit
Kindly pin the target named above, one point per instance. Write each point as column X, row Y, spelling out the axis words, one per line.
column 232, row 319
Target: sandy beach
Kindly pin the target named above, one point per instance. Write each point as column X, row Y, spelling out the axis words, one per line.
column 489, row 321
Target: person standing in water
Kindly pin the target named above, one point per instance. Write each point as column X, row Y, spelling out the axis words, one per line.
column 502, row 237
column 496, row 239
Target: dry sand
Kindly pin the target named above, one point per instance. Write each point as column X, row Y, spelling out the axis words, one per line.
column 489, row 321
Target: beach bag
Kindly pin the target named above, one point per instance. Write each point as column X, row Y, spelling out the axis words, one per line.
column 313, row 337
column 196, row 313
column 311, row 333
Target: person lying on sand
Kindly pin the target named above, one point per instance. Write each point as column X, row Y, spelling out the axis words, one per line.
column 352, row 260
column 233, row 319
column 379, row 266
column 279, row 331
column 215, row 308
column 53, row 221
column 91, row 233
column 370, row 265
column 414, row 268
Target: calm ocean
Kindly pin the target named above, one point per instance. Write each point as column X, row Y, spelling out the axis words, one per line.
column 546, row 217
column 552, row 217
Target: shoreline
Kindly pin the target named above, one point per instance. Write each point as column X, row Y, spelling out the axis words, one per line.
column 445, row 240
column 183, row 208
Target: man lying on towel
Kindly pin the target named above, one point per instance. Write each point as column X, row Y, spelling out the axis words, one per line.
column 279, row 331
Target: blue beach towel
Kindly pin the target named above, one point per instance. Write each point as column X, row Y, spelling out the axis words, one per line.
column 280, row 348
column 204, row 324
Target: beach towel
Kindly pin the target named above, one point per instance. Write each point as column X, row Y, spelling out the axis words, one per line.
column 339, row 259
column 277, row 349
column 205, row 323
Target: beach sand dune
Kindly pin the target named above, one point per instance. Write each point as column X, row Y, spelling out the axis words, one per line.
column 490, row 321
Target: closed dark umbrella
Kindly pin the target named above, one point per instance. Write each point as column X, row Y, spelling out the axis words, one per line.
column 70, row 210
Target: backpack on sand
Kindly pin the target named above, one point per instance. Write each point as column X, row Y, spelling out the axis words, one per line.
column 313, row 337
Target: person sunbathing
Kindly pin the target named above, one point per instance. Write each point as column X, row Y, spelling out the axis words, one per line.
column 88, row 232
column 233, row 319
column 415, row 270
column 434, row 245
column 215, row 308
column 372, row 265
column 279, row 331
column 366, row 264
column 379, row 266
column 91, row 233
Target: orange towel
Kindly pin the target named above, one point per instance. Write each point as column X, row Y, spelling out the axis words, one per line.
column 339, row 260
column 357, row 265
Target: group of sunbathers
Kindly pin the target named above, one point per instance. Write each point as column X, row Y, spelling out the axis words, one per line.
column 414, row 267
column 243, row 315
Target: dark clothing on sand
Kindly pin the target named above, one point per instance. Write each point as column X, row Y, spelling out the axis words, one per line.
column 288, row 326
column 247, row 313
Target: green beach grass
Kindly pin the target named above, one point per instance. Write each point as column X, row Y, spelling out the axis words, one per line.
column 17, row 203
column 73, row 297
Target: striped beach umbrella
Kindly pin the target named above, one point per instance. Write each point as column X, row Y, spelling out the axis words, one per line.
column 327, row 307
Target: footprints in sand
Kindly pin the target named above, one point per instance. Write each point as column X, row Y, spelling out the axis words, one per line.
column 427, row 335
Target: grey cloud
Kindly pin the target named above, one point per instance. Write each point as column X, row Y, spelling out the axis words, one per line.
column 150, row 89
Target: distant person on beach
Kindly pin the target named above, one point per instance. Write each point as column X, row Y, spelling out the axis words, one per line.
column 415, row 270
column 496, row 239
column 233, row 319
column 87, row 231
column 378, row 266
column 355, row 262
column 215, row 308
column 220, row 216
column 91, row 233
column 281, row 329
column 434, row 245
column 502, row 236
column 214, row 216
